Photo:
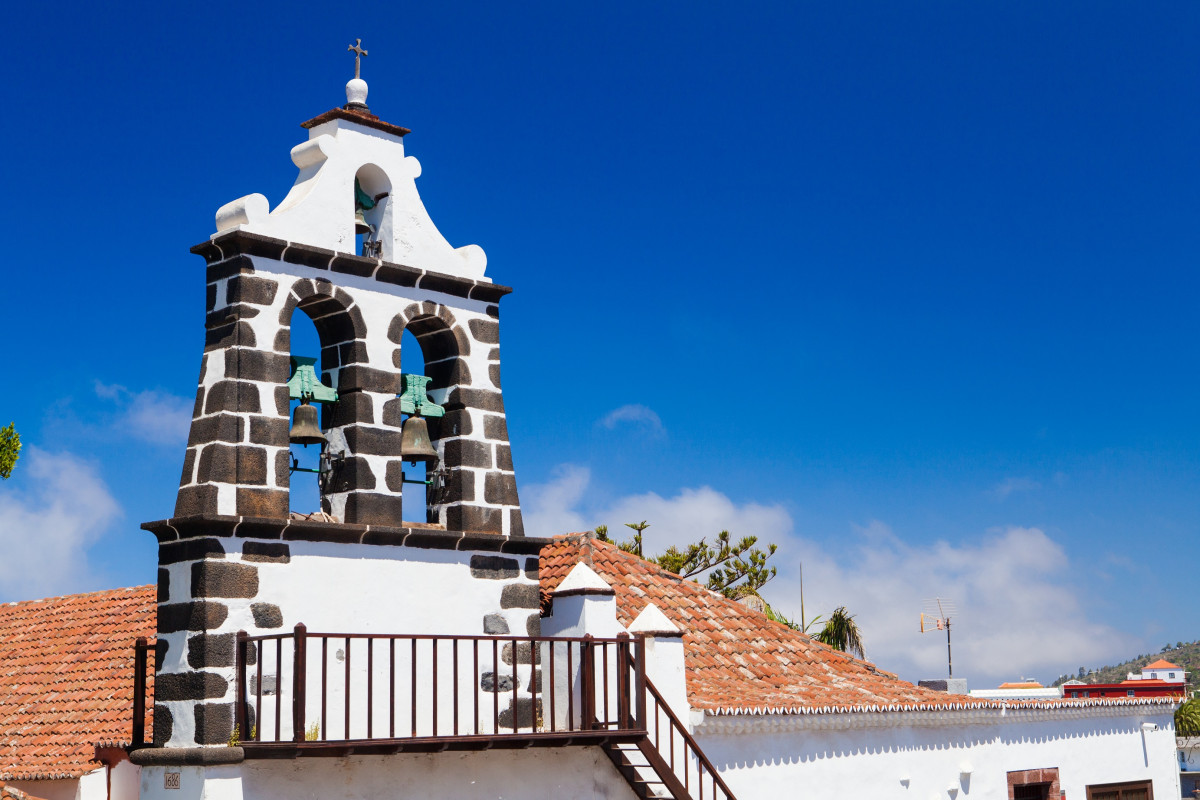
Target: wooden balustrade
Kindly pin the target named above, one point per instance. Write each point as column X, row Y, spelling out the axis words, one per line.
column 387, row 688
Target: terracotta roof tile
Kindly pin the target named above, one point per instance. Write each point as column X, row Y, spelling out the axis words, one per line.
column 737, row 661
column 66, row 678
column 1161, row 664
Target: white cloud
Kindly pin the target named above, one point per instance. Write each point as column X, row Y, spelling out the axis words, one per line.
column 1019, row 614
column 635, row 414
column 46, row 528
column 1009, row 486
column 151, row 416
column 561, row 506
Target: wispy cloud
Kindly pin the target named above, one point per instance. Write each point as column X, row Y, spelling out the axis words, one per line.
column 1009, row 486
column 1015, row 587
column 151, row 416
column 47, row 526
column 633, row 414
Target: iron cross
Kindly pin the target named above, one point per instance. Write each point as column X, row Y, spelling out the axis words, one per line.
column 356, row 48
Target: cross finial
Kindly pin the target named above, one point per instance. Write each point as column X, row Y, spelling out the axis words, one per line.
column 356, row 48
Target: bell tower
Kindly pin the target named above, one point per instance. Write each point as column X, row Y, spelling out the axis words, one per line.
column 353, row 248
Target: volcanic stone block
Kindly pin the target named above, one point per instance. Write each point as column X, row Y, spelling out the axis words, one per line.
column 467, row 453
column 353, row 474
column 495, row 625
column 531, row 568
column 283, row 401
column 252, row 289
column 533, row 625
column 228, row 395
column 454, row 423
column 251, row 465
column 504, row 457
column 214, row 722
column 500, row 488
column 283, row 341
column 371, row 508
column 373, row 441
column 494, row 567
column 483, row 399
column 495, row 427
column 525, row 653
column 451, row 372
column 262, row 502
column 526, row 716
column 164, row 585
column 257, row 365
column 163, row 724
column 308, row 256
column 218, row 464
column 223, row 579
column 516, row 527
column 270, row 552
column 486, row 331
column 368, row 379
column 266, row 615
column 489, row 682
column 283, row 468
column 211, row 650
column 189, row 550
column 475, row 519
column 354, row 265
column 201, row 615
column 217, row 428
column 189, row 686
column 350, row 408
column 494, row 374
column 520, row 595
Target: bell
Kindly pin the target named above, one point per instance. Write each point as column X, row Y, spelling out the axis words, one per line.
column 306, row 429
column 414, row 442
column 360, row 222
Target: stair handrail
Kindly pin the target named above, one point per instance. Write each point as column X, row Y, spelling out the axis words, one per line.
column 689, row 742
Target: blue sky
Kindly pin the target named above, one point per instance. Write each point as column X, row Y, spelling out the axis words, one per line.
column 903, row 289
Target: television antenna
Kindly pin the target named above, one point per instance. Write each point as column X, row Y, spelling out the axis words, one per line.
column 936, row 617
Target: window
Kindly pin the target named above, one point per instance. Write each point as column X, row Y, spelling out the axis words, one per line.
column 1140, row 790
column 1087, row 694
column 1170, row 674
column 1032, row 791
column 1129, row 692
column 1074, row 694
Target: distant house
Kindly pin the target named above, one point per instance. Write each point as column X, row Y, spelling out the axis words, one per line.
column 1019, row 690
column 1158, row 679
column 66, row 694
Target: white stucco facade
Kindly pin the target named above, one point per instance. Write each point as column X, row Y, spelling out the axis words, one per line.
column 918, row 754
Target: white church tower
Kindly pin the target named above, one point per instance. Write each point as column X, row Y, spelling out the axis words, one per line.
column 353, row 248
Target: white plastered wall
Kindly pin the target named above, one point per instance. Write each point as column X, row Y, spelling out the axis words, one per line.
column 319, row 210
column 838, row 756
column 349, row 588
column 563, row 773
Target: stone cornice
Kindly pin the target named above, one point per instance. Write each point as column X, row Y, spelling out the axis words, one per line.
column 233, row 244
column 745, row 723
column 294, row 530
column 365, row 118
column 187, row 756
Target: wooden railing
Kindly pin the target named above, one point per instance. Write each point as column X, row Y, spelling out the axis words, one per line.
column 143, row 687
column 305, row 689
column 676, row 756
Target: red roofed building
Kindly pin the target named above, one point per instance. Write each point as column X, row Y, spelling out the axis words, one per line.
column 1160, row 678
column 66, row 689
column 779, row 714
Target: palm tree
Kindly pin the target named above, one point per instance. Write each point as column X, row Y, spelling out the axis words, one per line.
column 841, row 633
column 1187, row 718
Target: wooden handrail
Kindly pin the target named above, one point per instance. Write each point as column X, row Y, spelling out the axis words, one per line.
column 689, row 742
column 448, row 682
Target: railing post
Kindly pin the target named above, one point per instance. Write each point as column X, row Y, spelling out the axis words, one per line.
column 239, row 715
column 138, row 734
column 299, row 663
column 639, row 659
column 587, row 670
column 623, row 704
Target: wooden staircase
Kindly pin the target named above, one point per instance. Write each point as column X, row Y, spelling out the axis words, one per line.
column 667, row 763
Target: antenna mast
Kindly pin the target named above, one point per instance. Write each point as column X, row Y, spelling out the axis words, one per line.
column 936, row 616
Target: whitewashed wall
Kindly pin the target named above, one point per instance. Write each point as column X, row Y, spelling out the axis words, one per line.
column 880, row 756
column 348, row 588
column 548, row 774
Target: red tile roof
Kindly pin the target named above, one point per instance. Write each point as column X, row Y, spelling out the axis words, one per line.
column 735, row 657
column 1161, row 664
column 13, row 793
column 737, row 661
column 66, row 678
